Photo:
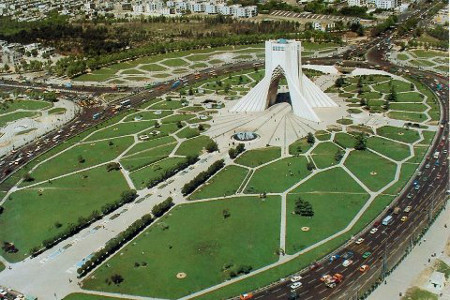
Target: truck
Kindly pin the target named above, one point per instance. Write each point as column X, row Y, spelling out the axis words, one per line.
column 387, row 221
column 436, row 155
column 125, row 103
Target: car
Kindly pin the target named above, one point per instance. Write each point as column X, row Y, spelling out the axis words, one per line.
column 347, row 262
column 314, row 266
column 436, row 163
column 409, row 196
column 347, row 255
column 296, row 285
column 404, row 218
column 359, row 241
column 246, row 296
column 326, row 277
column 364, row 268
column 334, row 257
column 373, row 230
column 407, row 209
column 425, row 178
column 417, row 187
column 296, row 278
column 416, row 182
column 366, row 254
column 445, row 151
column 427, row 166
column 377, row 223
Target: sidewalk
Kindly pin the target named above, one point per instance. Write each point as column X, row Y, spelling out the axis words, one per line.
column 402, row 278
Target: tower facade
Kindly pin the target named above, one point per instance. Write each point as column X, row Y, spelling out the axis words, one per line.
column 283, row 58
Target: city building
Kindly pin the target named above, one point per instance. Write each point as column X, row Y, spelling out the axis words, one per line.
column 283, row 59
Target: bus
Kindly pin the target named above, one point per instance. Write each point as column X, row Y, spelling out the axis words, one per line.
column 125, row 102
column 387, row 221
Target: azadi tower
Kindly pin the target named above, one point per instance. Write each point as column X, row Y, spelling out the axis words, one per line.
column 283, row 58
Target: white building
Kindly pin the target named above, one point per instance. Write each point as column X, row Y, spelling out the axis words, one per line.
column 386, row 4
column 283, row 58
column 356, row 2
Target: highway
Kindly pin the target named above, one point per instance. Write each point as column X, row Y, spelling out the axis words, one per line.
column 428, row 198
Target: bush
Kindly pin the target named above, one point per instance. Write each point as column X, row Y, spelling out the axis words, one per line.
column 212, row 146
column 233, row 153
column 113, row 166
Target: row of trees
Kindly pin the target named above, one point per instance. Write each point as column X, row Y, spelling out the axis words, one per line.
column 234, row 152
column 190, row 160
column 159, row 209
column 83, row 222
column 202, row 177
column 115, row 244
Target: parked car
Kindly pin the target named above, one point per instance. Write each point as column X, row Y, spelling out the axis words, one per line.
column 364, row 268
column 296, row 278
column 373, row 230
column 296, row 285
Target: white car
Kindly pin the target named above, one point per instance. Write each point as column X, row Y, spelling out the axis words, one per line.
column 296, row 285
column 359, row 241
column 296, row 278
column 347, row 262
column 373, row 230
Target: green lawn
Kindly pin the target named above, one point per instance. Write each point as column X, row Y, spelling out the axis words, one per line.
column 332, row 212
column 142, row 176
column 402, row 56
column 278, row 176
column 80, row 296
column 406, row 171
column 416, row 293
column 5, row 119
column 180, row 242
column 193, row 146
column 188, row 132
column 12, row 105
column 93, row 154
column 175, row 62
column 165, row 104
column 225, row 183
column 399, row 134
column 31, row 214
column 153, row 68
column 409, row 97
column 323, row 154
column 299, row 146
column 322, row 135
column 57, row 111
column 335, row 180
column 177, row 117
column 399, row 86
column 344, row 140
column 344, row 121
column 408, row 116
column 139, row 160
column 374, row 171
column 254, row 158
column 149, row 144
column 419, row 107
column 147, row 116
column 429, row 53
column 121, row 129
column 388, row 148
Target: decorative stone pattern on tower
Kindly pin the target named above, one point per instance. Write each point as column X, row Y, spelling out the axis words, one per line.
column 283, row 57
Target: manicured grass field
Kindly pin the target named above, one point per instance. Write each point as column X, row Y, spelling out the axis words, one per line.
column 225, row 183
column 142, row 176
column 323, row 154
column 335, row 180
column 180, row 242
column 5, row 119
column 299, row 146
column 416, row 293
column 153, row 68
column 31, row 214
column 373, row 170
column 408, row 116
column 389, row 148
column 147, row 116
column 57, row 111
column 10, row 106
column 80, row 296
column 344, row 140
column 145, row 158
column 419, row 107
column 322, row 135
column 278, row 176
column 344, row 121
column 92, row 153
column 193, row 146
column 172, row 104
column 188, row 132
column 177, row 117
column 409, row 97
column 400, row 134
column 332, row 212
column 402, row 56
column 149, row 144
column 428, row 53
column 121, row 129
column 175, row 62
column 257, row 157
column 399, row 86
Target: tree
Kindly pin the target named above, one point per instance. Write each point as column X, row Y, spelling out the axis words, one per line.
column 179, row 124
column 28, row 178
column 81, row 159
column 157, row 125
column 339, row 82
column 112, row 166
column 393, row 95
column 211, row 147
column 361, row 141
column 310, row 138
column 303, row 208
column 363, row 102
column 310, row 166
column 338, row 155
column 226, row 213
column 117, row 279
column 201, row 127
